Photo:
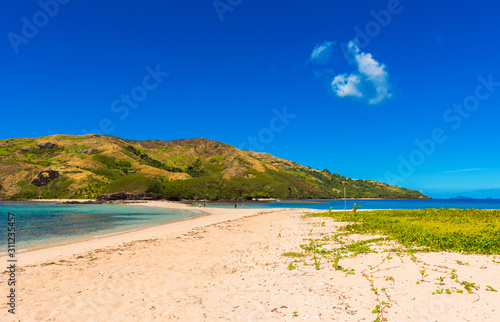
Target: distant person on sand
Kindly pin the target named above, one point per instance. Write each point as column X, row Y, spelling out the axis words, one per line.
column 203, row 205
column 199, row 205
column 243, row 205
column 235, row 205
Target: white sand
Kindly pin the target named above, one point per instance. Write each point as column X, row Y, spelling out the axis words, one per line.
column 229, row 266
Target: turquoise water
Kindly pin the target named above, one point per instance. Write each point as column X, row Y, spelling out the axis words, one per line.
column 372, row 204
column 43, row 224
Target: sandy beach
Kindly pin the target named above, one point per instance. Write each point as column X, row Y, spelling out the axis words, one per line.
column 229, row 265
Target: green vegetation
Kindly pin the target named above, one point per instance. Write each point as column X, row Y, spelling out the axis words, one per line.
column 217, row 158
column 74, row 138
column 37, row 153
column 355, row 188
column 76, row 148
column 336, row 260
column 469, row 286
column 165, row 148
column 10, row 146
column 263, row 185
column 441, row 280
column 195, row 169
column 195, row 189
column 6, row 151
column 150, row 161
column 44, row 163
column 317, row 262
column 112, row 163
column 422, row 275
column 464, row 230
column 91, row 190
column 109, row 174
column 110, row 167
column 57, row 188
column 460, row 230
column 132, row 183
column 491, row 289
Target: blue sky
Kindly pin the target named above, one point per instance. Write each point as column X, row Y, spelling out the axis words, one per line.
column 349, row 86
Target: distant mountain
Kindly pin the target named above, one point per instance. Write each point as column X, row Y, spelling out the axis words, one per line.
column 463, row 197
column 85, row 166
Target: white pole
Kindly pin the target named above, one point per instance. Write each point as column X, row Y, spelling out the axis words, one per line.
column 345, row 201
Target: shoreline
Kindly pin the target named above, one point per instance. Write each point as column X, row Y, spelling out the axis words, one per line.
column 194, row 202
column 87, row 237
column 33, row 256
column 162, row 204
column 81, row 243
column 233, row 265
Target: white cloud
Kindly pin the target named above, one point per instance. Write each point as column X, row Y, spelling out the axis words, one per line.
column 370, row 80
column 322, row 53
column 346, row 85
column 376, row 74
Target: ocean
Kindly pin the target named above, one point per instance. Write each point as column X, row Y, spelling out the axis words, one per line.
column 373, row 204
column 44, row 224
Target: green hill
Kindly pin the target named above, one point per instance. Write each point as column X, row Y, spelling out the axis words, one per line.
column 85, row 166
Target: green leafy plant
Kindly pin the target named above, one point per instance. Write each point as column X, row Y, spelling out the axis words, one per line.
column 459, row 230
column 422, row 275
column 354, row 208
column 469, row 286
column 349, row 271
column 490, row 288
column 441, row 279
column 336, row 260
column 317, row 262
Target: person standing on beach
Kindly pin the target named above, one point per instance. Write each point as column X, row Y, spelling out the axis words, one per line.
column 235, row 205
column 243, row 205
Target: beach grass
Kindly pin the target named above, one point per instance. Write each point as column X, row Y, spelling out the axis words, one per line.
column 471, row 231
